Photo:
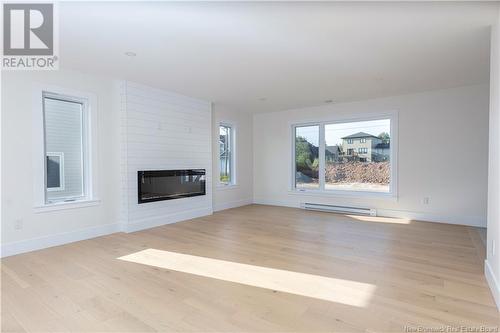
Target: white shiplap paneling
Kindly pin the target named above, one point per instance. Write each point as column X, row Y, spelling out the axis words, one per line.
column 161, row 131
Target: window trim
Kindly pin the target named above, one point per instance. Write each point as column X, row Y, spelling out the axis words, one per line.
column 232, row 148
column 393, row 186
column 90, row 137
column 61, row 172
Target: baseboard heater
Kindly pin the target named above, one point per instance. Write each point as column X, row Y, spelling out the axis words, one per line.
column 339, row 209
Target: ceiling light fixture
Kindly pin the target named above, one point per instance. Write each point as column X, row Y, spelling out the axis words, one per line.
column 130, row 54
column 329, row 101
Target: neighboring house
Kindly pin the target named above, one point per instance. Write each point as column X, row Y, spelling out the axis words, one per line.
column 365, row 147
column 332, row 153
column 382, row 151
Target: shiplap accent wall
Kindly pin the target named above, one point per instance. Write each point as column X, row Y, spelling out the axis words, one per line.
column 159, row 131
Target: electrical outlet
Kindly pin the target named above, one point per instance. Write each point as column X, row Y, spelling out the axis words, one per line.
column 18, row 224
column 426, row 200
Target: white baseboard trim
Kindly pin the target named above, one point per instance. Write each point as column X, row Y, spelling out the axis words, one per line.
column 473, row 221
column 167, row 219
column 261, row 201
column 232, row 204
column 10, row 249
column 492, row 283
column 34, row 244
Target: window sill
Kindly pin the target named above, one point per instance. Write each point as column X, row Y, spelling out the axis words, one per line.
column 346, row 194
column 222, row 187
column 66, row 205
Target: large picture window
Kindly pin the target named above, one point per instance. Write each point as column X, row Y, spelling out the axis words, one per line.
column 346, row 156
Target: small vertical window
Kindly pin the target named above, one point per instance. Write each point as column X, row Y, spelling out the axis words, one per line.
column 65, row 134
column 226, row 155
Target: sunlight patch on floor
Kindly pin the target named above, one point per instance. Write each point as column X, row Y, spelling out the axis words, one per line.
column 380, row 219
column 330, row 289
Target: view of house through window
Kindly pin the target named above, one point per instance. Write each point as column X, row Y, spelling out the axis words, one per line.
column 64, row 130
column 356, row 156
column 226, row 154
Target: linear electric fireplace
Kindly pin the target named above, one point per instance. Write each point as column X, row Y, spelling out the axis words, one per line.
column 170, row 184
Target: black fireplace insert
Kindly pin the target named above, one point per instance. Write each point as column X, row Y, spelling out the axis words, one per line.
column 160, row 185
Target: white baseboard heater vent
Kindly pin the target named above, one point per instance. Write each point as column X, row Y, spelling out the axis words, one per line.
column 339, row 209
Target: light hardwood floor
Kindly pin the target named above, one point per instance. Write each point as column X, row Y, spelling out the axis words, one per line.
column 302, row 271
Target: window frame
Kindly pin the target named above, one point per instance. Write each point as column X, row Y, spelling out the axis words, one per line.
column 393, row 185
column 61, row 172
column 84, row 141
column 232, row 160
column 90, row 135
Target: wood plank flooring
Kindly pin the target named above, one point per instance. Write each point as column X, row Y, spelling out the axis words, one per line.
column 255, row 269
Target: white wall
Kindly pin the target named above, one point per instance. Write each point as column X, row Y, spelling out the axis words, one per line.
column 139, row 128
column 242, row 194
column 160, row 131
column 492, row 266
column 53, row 227
column 443, row 144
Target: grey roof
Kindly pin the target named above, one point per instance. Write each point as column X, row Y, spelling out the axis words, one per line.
column 359, row 135
column 385, row 145
column 332, row 149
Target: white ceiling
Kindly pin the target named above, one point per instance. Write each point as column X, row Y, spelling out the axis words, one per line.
column 291, row 54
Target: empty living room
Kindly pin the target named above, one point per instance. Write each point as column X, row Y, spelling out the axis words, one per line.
column 250, row 166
